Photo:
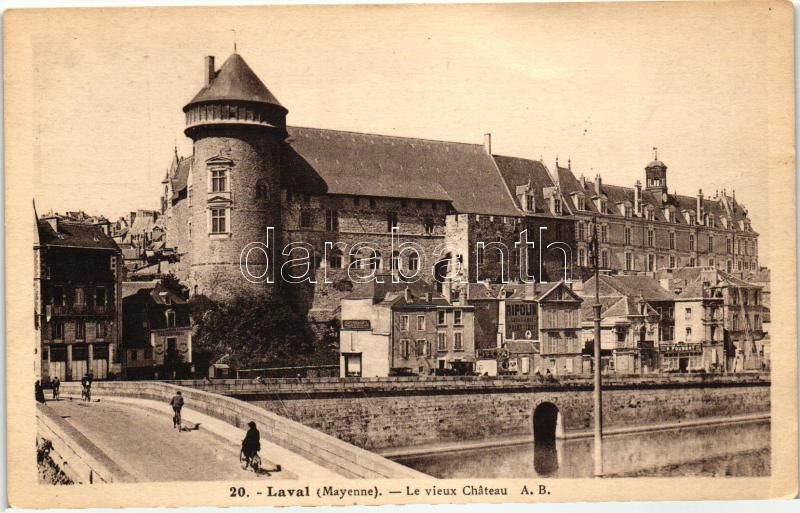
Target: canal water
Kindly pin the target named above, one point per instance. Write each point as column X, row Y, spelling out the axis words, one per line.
column 738, row 449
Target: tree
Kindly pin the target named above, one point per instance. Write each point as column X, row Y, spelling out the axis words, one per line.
column 171, row 282
column 254, row 332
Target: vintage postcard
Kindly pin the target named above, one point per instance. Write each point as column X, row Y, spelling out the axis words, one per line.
column 336, row 255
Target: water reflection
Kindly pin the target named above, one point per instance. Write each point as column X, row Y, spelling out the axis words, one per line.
column 741, row 449
column 545, row 458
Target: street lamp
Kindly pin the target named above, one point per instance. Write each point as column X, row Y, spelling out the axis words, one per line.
column 598, row 400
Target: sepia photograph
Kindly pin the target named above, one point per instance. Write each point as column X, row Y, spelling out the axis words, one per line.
column 331, row 255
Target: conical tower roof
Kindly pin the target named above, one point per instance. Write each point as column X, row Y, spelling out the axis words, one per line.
column 235, row 81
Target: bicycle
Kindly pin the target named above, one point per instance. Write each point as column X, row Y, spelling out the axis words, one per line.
column 86, row 394
column 176, row 419
column 253, row 461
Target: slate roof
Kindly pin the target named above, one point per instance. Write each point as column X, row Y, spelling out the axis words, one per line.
column 623, row 285
column 519, row 172
column 181, row 176
column 349, row 163
column 235, row 81
column 77, row 235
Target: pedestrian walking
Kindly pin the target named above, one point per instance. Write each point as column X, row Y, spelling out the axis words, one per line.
column 39, row 392
column 56, row 385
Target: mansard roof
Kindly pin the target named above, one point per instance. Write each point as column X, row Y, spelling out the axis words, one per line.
column 235, row 81
column 336, row 162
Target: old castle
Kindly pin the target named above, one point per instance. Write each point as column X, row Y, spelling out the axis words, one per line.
column 249, row 173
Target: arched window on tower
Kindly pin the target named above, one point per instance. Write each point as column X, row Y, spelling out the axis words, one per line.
column 262, row 190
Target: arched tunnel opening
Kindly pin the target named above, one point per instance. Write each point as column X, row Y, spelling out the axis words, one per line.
column 545, row 422
column 545, row 427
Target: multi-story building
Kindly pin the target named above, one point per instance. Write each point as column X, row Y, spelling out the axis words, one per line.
column 157, row 331
column 404, row 329
column 637, row 315
column 741, row 314
column 648, row 229
column 77, row 283
column 525, row 327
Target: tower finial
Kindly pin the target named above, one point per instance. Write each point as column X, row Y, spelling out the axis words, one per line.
column 234, row 39
column 655, row 152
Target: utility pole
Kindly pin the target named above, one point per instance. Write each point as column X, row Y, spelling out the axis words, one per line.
column 598, row 400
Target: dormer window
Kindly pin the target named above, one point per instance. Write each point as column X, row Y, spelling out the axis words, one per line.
column 556, row 205
column 650, row 213
column 528, row 201
column 580, row 202
column 601, row 205
column 628, row 211
column 691, row 218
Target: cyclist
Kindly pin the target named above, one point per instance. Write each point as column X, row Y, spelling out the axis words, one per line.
column 177, row 403
column 86, row 383
column 252, row 442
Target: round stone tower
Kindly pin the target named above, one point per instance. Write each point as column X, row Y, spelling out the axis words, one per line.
column 233, row 190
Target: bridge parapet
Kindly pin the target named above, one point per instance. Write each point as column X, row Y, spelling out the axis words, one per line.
column 302, row 386
column 340, row 457
column 80, row 459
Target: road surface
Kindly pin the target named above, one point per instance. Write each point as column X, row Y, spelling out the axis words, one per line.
column 141, row 440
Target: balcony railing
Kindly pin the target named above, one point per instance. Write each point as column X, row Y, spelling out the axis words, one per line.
column 58, row 310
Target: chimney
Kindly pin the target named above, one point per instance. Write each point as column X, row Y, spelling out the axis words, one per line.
column 598, row 185
column 208, row 70
column 583, row 182
column 407, row 294
column 700, row 205
column 637, row 198
column 487, row 143
column 427, row 297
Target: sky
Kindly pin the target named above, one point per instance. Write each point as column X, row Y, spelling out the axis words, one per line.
column 598, row 84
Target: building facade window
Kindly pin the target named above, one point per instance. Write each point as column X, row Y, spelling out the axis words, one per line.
column 604, row 259
column 556, row 205
column 79, row 298
column 428, row 226
column 604, row 233
column 710, row 243
column 688, row 314
column 441, row 317
column 423, row 348
column 457, row 318
column 100, row 330
column 650, row 238
column 628, row 235
column 458, row 341
column 404, row 322
column 581, row 231
column 189, row 230
column 170, row 318
column 691, row 242
column 651, row 262
column 219, row 221
column 58, row 296
column 219, row 180
column 335, row 260
column 628, row 261
column 581, row 256
column 80, row 330
column 332, row 220
column 671, row 240
column 405, row 348
column 688, row 334
column 391, row 221
column 672, row 262
column 441, row 341
column 58, row 330
column 413, row 262
column 421, row 322
column 306, row 219
column 395, row 263
column 628, row 211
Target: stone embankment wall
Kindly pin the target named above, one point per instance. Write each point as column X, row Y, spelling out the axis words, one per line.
column 340, row 457
column 383, row 413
